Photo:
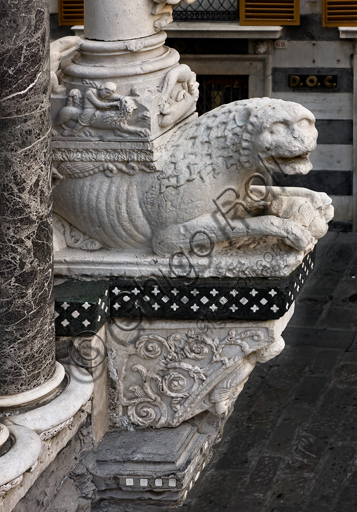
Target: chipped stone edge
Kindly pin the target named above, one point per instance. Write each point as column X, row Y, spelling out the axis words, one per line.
column 48, row 452
column 20, row 458
column 4, row 434
column 57, row 414
column 51, row 427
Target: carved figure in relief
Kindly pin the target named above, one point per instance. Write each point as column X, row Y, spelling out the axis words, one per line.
column 58, row 51
column 222, row 150
column 100, row 107
column 164, row 7
column 179, row 92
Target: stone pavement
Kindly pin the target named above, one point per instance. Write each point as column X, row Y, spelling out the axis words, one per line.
column 291, row 442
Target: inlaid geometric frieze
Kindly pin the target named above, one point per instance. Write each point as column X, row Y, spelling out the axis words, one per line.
column 220, row 299
column 80, row 306
column 83, row 306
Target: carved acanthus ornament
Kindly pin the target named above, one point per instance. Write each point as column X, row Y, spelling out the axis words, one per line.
column 165, row 380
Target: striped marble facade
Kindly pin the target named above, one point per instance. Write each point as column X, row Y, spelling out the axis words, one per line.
column 312, row 49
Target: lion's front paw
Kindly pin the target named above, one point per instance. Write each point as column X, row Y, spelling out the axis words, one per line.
column 325, row 199
column 297, row 237
column 329, row 213
column 143, row 132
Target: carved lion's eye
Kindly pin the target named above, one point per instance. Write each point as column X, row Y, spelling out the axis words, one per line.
column 277, row 128
column 303, row 123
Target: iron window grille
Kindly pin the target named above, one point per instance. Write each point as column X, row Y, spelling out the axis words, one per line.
column 208, row 10
column 216, row 90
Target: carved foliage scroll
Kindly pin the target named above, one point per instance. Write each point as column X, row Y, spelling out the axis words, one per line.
column 169, row 379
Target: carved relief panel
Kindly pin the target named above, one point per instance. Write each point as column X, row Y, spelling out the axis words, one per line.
column 166, row 372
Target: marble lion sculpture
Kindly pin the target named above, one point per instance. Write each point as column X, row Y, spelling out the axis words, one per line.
column 215, row 156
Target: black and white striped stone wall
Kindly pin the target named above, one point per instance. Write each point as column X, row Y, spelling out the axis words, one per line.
column 313, row 49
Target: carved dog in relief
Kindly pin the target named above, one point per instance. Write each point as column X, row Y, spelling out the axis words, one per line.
column 221, row 150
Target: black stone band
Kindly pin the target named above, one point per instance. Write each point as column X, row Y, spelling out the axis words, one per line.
column 83, row 306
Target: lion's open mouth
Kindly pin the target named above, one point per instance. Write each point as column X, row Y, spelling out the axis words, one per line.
column 299, row 164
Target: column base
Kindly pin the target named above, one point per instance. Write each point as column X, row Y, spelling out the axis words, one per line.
column 39, row 434
column 27, row 397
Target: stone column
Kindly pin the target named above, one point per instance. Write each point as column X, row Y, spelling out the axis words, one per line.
column 118, row 20
column 27, row 349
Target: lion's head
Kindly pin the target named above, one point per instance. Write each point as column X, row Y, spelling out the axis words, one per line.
column 277, row 136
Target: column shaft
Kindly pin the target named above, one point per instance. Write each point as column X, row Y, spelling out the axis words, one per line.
column 119, row 20
column 26, row 306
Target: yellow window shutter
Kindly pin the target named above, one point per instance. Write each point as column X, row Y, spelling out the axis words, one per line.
column 265, row 12
column 70, row 12
column 339, row 13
